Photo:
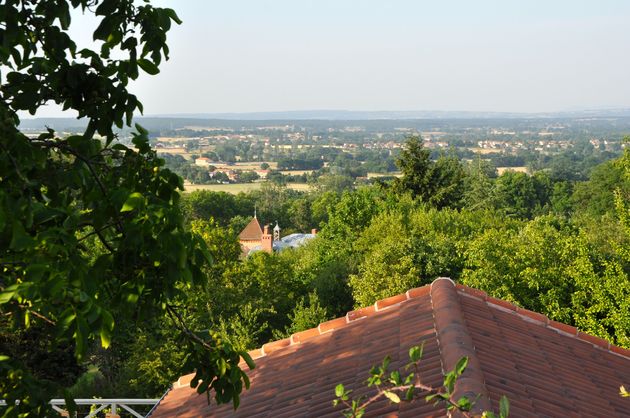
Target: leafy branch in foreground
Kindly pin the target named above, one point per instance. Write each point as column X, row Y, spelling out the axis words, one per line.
column 91, row 231
column 400, row 388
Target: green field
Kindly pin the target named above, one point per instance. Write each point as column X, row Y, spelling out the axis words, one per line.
column 239, row 187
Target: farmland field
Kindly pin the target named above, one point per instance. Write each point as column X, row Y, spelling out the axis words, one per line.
column 252, row 165
column 502, row 170
column 239, row 187
column 296, row 172
column 376, row 175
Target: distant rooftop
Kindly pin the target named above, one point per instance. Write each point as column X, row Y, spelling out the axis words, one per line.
column 290, row 241
column 252, row 232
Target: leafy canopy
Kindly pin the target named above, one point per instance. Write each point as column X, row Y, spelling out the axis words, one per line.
column 90, row 229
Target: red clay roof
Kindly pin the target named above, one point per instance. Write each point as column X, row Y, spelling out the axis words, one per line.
column 252, row 232
column 545, row 368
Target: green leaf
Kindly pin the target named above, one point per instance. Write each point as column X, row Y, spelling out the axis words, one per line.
column 67, row 317
column 171, row 13
column 106, row 336
column 449, row 381
column 236, row 400
column 107, row 7
column 134, row 201
column 81, row 337
column 429, row 398
column 106, row 328
column 222, row 366
column 464, row 404
column 504, row 407
column 8, row 294
column 339, row 390
column 148, row 66
column 415, row 353
column 392, row 396
column 385, row 364
column 395, row 377
column 20, row 239
column 461, row 365
column 248, row 359
column 409, row 393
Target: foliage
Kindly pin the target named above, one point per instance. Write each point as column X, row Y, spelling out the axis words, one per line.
column 248, row 176
column 334, row 183
column 389, row 267
column 57, row 193
column 409, row 246
column 478, row 185
column 438, row 183
column 520, row 195
column 398, row 387
column 549, row 267
column 307, row 314
column 596, row 197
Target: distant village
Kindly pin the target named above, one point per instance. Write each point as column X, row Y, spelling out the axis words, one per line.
column 256, row 153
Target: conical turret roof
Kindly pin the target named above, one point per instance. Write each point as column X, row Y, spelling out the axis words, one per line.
column 252, row 232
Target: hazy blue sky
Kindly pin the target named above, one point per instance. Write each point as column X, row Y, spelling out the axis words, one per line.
column 527, row 55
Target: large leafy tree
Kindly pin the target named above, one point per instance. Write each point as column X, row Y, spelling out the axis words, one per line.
column 439, row 183
column 90, row 229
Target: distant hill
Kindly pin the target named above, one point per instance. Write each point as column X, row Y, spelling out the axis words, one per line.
column 396, row 115
column 178, row 120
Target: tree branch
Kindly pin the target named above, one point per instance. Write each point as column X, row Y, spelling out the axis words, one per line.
column 177, row 319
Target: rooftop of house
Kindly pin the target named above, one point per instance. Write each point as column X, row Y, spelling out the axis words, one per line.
column 252, row 232
column 289, row 241
column 545, row 368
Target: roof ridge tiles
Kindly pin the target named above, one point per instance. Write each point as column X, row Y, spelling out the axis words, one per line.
column 455, row 342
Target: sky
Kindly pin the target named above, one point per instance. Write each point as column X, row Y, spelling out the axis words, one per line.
column 482, row 55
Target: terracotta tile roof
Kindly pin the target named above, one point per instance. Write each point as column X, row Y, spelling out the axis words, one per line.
column 545, row 368
column 252, row 232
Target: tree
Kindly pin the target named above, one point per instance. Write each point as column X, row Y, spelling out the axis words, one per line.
column 415, row 164
column 58, row 194
column 205, row 204
column 597, row 195
column 248, row 176
column 334, row 183
column 306, row 315
column 300, row 214
column 478, row 190
column 389, row 268
column 515, row 193
column 439, row 183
